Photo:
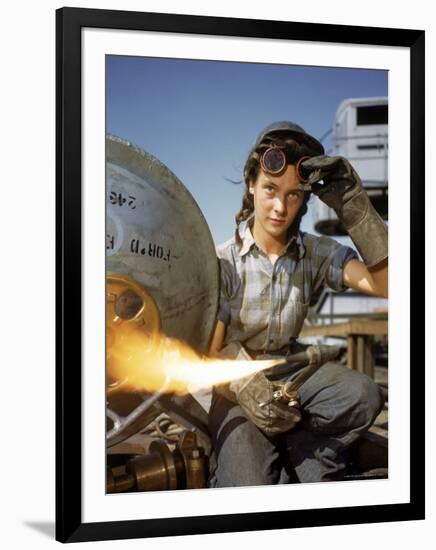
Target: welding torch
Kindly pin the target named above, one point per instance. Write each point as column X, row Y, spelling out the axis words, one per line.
column 314, row 356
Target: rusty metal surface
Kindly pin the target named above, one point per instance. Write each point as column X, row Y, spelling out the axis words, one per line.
column 157, row 235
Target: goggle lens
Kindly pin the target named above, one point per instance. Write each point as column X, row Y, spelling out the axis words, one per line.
column 273, row 160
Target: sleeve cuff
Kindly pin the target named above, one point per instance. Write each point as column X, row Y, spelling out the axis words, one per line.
column 340, row 258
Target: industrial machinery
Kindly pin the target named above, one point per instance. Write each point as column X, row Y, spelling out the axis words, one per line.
column 162, row 276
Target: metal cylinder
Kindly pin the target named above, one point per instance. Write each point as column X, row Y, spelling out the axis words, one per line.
column 155, row 471
column 195, row 469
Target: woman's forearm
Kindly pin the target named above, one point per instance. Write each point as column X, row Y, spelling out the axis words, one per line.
column 217, row 338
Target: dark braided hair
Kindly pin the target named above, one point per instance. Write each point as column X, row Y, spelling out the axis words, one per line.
column 294, row 151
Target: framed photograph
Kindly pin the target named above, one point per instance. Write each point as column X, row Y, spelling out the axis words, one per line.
column 173, row 366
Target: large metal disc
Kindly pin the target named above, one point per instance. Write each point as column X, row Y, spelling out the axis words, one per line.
column 157, row 235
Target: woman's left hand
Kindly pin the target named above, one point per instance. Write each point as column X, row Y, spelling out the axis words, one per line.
column 342, row 190
column 341, row 184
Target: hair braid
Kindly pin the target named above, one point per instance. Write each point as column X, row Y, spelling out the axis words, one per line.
column 246, row 210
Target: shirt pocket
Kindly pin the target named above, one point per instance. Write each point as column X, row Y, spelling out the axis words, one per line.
column 254, row 306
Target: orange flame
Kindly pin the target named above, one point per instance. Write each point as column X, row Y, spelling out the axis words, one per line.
column 138, row 361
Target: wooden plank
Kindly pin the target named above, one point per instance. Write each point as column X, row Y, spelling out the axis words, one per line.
column 360, row 354
column 368, row 360
column 354, row 326
column 351, row 352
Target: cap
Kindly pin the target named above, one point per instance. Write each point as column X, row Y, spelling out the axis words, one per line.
column 291, row 127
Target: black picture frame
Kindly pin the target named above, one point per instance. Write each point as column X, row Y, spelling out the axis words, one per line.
column 69, row 22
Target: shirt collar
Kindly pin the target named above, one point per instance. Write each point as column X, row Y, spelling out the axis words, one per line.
column 248, row 240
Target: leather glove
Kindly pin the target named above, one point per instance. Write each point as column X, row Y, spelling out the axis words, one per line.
column 251, row 391
column 342, row 190
column 255, row 393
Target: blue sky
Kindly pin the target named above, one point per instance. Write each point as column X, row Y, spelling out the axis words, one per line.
column 200, row 118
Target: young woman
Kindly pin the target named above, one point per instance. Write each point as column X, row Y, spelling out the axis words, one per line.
column 269, row 272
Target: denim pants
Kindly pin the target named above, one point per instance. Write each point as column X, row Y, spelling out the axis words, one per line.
column 337, row 404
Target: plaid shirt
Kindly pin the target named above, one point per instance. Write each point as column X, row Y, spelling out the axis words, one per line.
column 264, row 305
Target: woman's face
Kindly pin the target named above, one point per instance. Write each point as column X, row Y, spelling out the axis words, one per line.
column 277, row 201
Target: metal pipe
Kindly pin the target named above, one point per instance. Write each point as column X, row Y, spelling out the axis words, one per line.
column 122, row 423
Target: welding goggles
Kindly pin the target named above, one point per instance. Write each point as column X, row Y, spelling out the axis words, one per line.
column 273, row 161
